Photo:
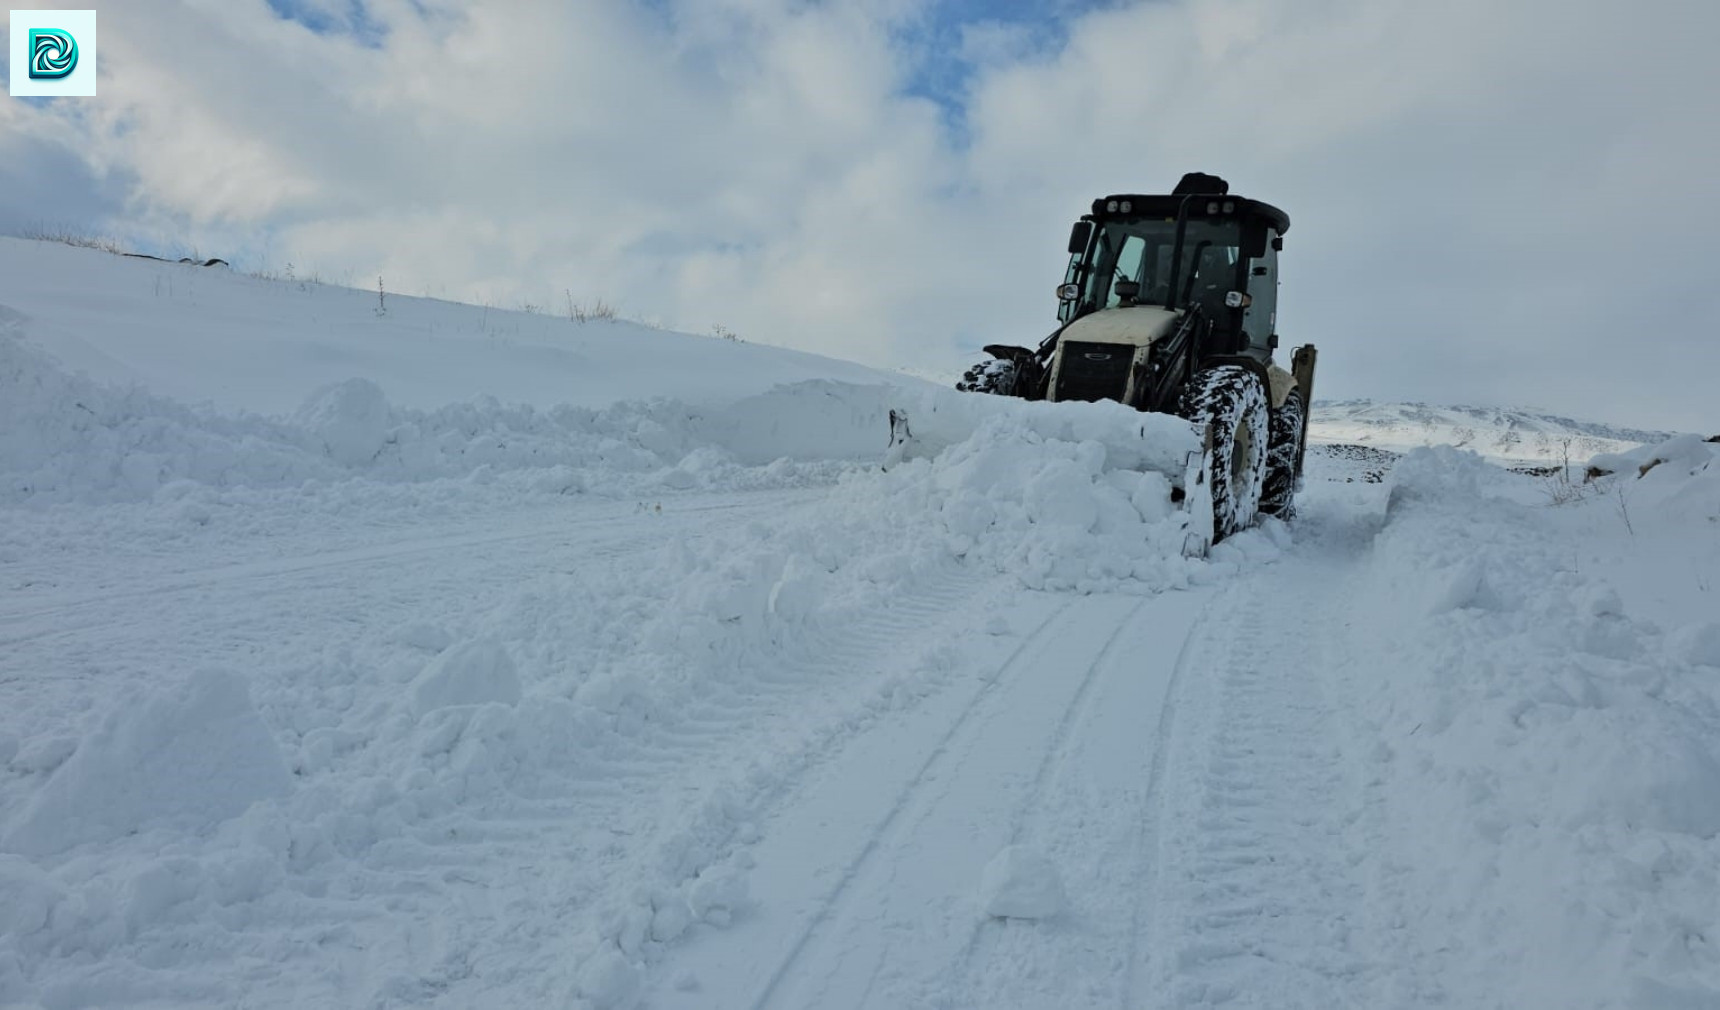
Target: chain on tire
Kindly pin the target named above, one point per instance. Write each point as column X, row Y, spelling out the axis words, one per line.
column 1233, row 401
column 999, row 376
column 1283, row 449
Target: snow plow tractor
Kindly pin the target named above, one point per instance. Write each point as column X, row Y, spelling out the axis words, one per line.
column 1169, row 307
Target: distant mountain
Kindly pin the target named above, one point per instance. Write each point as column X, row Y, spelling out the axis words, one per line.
column 1498, row 433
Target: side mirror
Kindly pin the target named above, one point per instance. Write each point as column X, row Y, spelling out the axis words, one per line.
column 1079, row 236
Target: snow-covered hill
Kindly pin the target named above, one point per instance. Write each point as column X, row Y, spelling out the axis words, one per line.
column 458, row 658
column 1505, row 435
column 208, row 335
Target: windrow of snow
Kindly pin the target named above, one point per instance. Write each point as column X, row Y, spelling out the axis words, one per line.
column 1540, row 716
column 67, row 438
column 1066, row 495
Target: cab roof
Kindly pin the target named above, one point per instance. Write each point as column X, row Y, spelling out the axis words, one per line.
column 1215, row 202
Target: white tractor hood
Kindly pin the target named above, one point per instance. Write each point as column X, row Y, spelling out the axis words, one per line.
column 1138, row 325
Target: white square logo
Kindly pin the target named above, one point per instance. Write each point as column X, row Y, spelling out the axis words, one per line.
column 53, row 53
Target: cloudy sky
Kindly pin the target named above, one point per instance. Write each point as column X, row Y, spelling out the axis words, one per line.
column 1492, row 201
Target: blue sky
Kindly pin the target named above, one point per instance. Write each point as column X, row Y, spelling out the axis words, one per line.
column 332, row 17
column 892, row 181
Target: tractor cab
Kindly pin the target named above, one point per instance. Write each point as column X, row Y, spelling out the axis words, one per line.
column 1199, row 247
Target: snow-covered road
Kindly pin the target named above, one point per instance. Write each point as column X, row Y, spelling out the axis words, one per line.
column 430, row 850
column 1171, row 761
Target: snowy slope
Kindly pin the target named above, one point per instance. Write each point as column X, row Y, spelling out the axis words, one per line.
column 196, row 334
column 1503, row 435
column 397, row 695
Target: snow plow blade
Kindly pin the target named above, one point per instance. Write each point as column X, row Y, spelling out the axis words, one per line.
column 1179, row 449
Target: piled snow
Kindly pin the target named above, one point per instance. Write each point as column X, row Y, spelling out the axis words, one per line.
column 1684, row 470
column 66, row 438
column 1065, row 495
column 472, row 673
column 1536, row 738
column 1061, row 513
column 182, row 759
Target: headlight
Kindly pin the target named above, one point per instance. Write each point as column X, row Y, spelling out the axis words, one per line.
column 1068, row 292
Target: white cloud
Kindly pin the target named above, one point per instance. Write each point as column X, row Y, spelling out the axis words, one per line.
column 1505, row 201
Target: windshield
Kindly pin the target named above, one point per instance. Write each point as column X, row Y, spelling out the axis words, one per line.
column 1143, row 250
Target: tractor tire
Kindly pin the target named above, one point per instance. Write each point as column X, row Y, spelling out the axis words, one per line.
column 1232, row 400
column 999, row 376
column 1283, row 451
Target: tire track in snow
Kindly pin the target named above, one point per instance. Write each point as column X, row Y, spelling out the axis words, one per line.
column 1259, row 892
column 664, row 767
column 875, row 858
column 831, row 904
column 1096, row 816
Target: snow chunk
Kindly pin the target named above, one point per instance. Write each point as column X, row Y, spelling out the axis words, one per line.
column 1698, row 644
column 717, row 893
column 1062, row 494
column 472, row 673
column 1438, row 473
column 351, row 418
column 1464, row 586
column 610, row 981
column 1019, row 883
column 185, row 758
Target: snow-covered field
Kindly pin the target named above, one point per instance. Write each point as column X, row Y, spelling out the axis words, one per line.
column 463, row 658
column 1498, row 435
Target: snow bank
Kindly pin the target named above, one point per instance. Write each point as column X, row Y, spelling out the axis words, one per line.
column 1066, row 495
column 1058, row 513
column 65, row 438
column 182, row 759
column 1685, row 455
column 1678, row 478
column 1535, row 737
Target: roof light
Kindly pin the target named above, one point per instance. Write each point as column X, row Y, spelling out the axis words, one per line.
column 1111, row 206
column 1126, row 206
column 1212, row 208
